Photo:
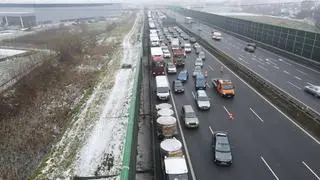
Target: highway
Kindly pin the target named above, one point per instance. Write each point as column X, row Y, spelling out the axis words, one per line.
column 287, row 75
column 265, row 143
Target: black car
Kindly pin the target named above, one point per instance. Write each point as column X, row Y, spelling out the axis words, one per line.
column 221, row 149
column 193, row 40
column 251, row 47
column 177, row 86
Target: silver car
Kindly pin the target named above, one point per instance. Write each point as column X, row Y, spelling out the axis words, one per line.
column 202, row 100
column 189, row 117
column 197, row 70
column 202, row 55
column 314, row 90
column 198, row 62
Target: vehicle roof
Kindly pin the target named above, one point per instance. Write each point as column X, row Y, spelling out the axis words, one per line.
column 156, row 51
column 175, row 165
column 202, row 93
column 188, row 108
column 171, row 144
column 166, row 120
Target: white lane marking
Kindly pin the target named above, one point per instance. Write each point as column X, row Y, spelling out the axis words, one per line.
column 254, row 55
column 243, row 61
column 226, row 109
column 280, row 59
column 297, row 78
column 263, row 68
column 210, row 68
column 294, row 85
column 310, row 84
column 267, row 63
column 265, row 162
column 183, row 139
column 256, row 114
column 301, row 72
column 275, row 107
column 276, row 67
column 270, row 61
column 210, row 130
column 241, row 56
column 193, row 95
column 305, row 164
column 286, row 72
column 287, row 63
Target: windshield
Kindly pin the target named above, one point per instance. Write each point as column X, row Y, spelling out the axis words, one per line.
column 227, row 86
column 178, row 83
column 162, row 89
column 203, row 98
column 190, row 115
column 177, row 176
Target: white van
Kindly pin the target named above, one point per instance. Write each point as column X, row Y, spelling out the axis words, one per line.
column 163, row 90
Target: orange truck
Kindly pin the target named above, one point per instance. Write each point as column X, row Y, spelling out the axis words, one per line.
column 223, row 87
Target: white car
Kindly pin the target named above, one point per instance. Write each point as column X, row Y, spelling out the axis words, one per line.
column 171, row 68
column 166, row 53
column 187, row 48
column 314, row 90
column 198, row 62
column 216, row 35
column 202, row 100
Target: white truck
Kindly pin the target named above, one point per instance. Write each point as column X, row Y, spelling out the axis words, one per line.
column 173, row 162
column 163, row 89
column 175, row 44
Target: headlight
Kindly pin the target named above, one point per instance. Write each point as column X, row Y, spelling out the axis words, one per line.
column 176, row 89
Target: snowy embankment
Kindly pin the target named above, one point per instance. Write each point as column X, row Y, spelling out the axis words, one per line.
column 93, row 144
column 10, row 52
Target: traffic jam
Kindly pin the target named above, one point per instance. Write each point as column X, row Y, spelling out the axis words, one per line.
column 169, row 48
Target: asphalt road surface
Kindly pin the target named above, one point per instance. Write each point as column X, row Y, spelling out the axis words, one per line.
column 265, row 143
column 287, row 75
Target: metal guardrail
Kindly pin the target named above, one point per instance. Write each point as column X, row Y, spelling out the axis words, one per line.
column 129, row 158
column 295, row 109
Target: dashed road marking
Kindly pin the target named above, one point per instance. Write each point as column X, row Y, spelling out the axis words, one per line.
column 294, row 85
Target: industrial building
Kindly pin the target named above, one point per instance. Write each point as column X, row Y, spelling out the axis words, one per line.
column 17, row 19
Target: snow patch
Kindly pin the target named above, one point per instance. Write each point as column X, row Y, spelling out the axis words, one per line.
column 10, row 52
column 108, row 134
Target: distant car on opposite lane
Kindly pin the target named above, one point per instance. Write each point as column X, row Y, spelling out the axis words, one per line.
column 183, row 76
column 251, row 47
column 314, row 90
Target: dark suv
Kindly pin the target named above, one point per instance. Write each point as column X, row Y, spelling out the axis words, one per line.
column 221, row 149
column 251, row 47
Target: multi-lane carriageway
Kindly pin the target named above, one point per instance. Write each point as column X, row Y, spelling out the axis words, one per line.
column 266, row 144
column 284, row 73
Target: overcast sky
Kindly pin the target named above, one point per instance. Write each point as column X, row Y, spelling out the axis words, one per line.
column 57, row 1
